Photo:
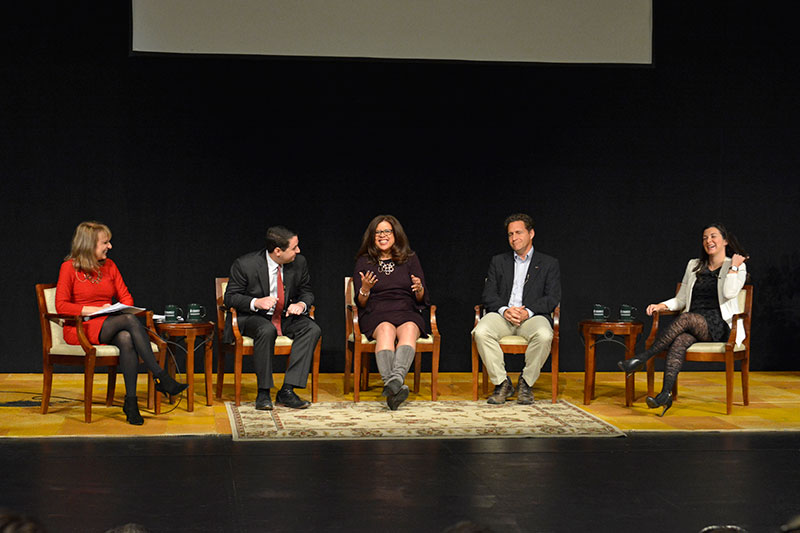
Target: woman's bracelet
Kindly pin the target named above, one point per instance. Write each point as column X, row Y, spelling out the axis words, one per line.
column 362, row 293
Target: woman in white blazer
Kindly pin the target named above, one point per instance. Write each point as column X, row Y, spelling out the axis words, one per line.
column 708, row 301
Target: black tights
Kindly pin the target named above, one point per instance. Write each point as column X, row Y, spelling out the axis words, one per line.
column 129, row 335
column 684, row 331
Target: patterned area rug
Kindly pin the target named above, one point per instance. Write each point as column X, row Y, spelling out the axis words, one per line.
column 416, row 420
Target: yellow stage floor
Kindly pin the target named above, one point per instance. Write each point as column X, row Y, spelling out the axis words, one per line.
column 774, row 403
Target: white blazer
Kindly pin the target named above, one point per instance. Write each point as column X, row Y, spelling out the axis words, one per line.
column 728, row 287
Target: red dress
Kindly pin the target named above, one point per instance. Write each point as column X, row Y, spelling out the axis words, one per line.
column 76, row 290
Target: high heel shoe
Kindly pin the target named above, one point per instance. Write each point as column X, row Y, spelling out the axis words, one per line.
column 131, row 410
column 652, row 403
column 166, row 384
column 631, row 365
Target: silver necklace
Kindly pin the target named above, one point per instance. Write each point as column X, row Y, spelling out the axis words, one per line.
column 387, row 267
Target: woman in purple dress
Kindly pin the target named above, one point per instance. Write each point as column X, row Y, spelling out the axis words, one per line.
column 391, row 294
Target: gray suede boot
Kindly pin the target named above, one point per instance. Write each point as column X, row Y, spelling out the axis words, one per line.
column 385, row 360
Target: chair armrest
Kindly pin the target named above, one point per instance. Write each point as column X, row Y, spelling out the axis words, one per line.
column 151, row 329
column 352, row 318
column 735, row 321
column 434, row 326
column 237, row 335
column 478, row 312
column 654, row 328
column 63, row 318
column 556, row 321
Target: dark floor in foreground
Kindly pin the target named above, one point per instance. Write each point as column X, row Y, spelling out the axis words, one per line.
column 643, row 482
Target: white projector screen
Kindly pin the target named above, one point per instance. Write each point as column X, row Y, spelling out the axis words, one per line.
column 548, row 31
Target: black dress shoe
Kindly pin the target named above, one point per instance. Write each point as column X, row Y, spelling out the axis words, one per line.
column 166, row 384
column 658, row 401
column 287, row 398
column 395, row 400
column 131, row 410
column 630, row 366
column 263, row 402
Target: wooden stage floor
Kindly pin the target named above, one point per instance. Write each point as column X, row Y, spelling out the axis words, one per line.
column 774, row 403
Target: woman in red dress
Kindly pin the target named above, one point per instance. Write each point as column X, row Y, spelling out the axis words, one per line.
column 391, row 294
column 88, row 282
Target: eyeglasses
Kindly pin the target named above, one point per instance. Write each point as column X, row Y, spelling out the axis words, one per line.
column 382, row 232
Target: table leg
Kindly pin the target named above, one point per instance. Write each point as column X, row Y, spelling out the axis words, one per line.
column 630, row 381
column 208, row 366
column 190, row 338
column 588, row 365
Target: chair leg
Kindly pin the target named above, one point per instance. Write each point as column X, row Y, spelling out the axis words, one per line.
column 157, row 397
column 729, row 382
column 746, row 380
column 417, row 371
column 364, row 372
column 348, row 364
column 220, row 372
column 237, row 377
column 47, row 387
column 88, row 382
column 651, row 376
column 315, row 372
column 435, row 375
column 554, row 375
column 356, row 374
column 112, row 385
column 485, row 383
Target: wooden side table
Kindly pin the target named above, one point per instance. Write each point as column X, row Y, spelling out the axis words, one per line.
column 190, row 331
column 592, row 330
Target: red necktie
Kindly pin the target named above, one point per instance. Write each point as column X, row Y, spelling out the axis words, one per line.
column 276, row 314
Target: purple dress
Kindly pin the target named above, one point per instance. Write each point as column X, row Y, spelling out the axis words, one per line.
column 391, row 299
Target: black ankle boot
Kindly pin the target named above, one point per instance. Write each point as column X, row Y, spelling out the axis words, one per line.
column 658, row 401
column 631, row 365
column 131, row 410
column 166, row 384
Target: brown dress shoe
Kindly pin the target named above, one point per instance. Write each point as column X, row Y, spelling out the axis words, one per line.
column 501, row 392
column 524, row 392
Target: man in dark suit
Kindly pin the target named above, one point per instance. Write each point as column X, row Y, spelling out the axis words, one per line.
column 522, row 289
column 271, row 292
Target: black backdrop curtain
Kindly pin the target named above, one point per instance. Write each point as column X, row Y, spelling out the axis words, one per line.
column 189, row 159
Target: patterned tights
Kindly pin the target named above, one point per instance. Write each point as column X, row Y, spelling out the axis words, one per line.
column 684, row 331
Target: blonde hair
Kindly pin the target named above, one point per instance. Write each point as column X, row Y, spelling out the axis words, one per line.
column 84, row 244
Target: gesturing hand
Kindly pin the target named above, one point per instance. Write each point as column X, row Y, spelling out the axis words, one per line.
column 266, row 303
column 295, row 309
column 738, row 259
column 368, row 280
column 416, row 284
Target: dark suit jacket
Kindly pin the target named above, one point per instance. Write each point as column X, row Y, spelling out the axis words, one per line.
column 541, row 292
column 250, row 279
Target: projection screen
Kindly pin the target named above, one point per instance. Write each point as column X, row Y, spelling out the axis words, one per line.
column 549, row 31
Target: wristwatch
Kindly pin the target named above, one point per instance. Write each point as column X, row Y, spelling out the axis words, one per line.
column 735, row 268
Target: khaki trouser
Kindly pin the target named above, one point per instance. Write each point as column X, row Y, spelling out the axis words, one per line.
column 492, row 327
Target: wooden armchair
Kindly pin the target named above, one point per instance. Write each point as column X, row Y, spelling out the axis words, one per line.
column 723, row 352
column 515, row 345
column 243, row 345
column 356, row 344
column 56, row 351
